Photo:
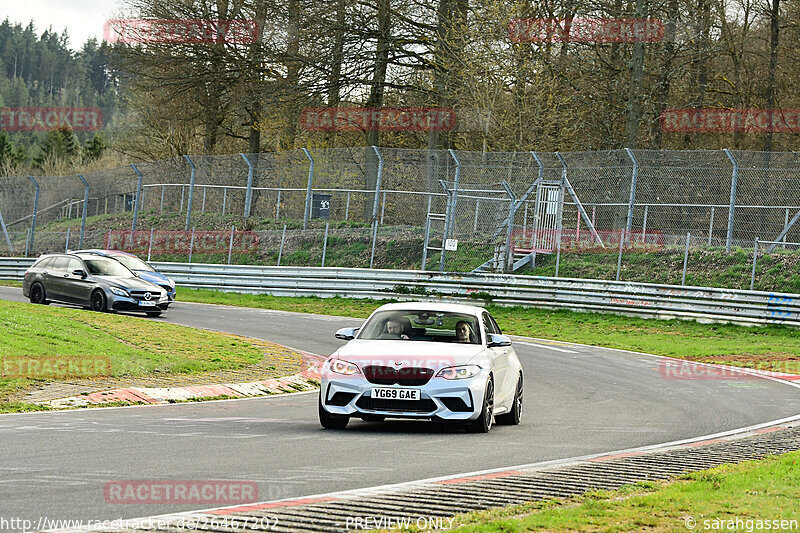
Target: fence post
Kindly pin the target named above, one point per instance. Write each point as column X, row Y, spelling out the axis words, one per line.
column 451, row 208
column 224, row 199
column 138, row 203
column 230, row 245
column 347, row 207
column 86, row 203
column 378, row 180
column 731, row 210
column 508, row 260
column 248, row 197
column 427, row 240
column 27, row 242
column 632, row 197
column 755, row 260
column 711, row 226
column 191, row 193
column 307, row 211
column 644, row 225
column 278, row 206
column 280, row 250
column 454, row 196
column 560, row 214
column 685, row 259
column 35, row 212
column 5, row 232
column 66, row 245
column 150, row 246
column 203, row 207
column 325, row 244
column 191, row 245
column 619, row 256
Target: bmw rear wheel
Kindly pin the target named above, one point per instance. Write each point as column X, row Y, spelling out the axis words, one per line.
column 513, row 417
column 484, row 422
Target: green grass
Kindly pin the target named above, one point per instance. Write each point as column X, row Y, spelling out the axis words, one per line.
column 765, row 347
column 768, row 489
column 35, row 332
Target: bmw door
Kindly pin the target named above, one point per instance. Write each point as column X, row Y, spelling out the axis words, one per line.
column 501, row 365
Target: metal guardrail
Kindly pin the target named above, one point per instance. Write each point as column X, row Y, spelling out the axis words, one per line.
column 635, row 299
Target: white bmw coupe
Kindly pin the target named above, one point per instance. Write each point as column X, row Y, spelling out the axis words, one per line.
column 423, row 361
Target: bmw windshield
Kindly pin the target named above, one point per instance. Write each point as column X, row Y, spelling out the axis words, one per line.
column 422, row 326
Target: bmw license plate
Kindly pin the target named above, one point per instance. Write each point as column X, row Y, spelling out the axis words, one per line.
column 396, row 394
column 147, row 304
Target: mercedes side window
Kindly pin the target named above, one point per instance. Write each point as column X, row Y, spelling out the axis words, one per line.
column 60, row 264
column 74, row 265
column 45, row 263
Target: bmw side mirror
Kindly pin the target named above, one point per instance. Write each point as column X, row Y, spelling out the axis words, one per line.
column 497, row 340
column 346, row 334
column 79, row 273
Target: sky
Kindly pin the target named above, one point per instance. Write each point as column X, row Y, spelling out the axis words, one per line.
column 82, row 18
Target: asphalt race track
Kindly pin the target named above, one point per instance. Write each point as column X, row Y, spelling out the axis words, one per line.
column 578, row 401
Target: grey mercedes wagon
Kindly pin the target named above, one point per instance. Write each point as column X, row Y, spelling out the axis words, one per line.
column 92, row 281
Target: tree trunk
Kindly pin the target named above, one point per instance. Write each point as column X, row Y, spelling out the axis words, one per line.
column 375, row 100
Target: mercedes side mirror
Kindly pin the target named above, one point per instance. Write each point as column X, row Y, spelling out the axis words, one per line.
column 497, row 340
column 79, row 273
column 346, row 334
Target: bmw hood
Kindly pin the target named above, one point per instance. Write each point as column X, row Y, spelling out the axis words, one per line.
column 420, row 354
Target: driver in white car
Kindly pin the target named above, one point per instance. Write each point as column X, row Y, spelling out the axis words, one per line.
column 395, row 330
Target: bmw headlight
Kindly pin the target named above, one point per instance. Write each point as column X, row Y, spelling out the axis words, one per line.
column 120, row 292
column 459, row 372
column 344, row 367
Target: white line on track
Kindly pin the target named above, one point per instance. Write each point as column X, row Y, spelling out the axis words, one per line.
column 545, row 346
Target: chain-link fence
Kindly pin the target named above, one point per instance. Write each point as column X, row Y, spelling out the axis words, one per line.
column 621, row 214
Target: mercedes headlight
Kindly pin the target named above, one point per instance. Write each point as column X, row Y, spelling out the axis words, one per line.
column 120, row 292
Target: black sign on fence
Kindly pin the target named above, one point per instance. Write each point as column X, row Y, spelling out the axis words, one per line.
column 321, row 205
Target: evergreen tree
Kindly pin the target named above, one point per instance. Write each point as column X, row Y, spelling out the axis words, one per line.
column 94, row 147
column 11, row 154
column 60, row 145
